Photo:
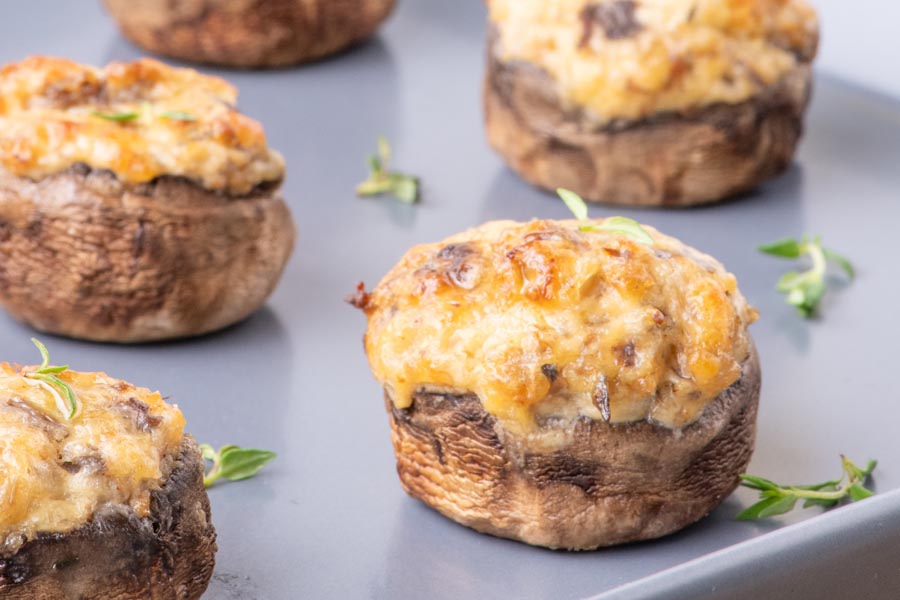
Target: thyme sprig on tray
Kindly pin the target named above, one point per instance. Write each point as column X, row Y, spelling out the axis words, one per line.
column 618, row 225
column 805, row 290
column 47, row 377
column 233, row 462
column 382, row 180
column 778, row 499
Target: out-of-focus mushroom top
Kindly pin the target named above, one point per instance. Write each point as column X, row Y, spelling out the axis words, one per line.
column 629, row 59
column 544, row 320
column 140, row 120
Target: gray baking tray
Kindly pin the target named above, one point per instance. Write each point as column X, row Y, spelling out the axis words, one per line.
column 328, row 519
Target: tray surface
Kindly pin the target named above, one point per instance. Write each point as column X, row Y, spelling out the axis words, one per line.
column 328, row 519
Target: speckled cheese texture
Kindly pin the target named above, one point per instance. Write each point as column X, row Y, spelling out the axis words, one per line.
column 630, row 59
column 56, row 473
column 186, row 124
column 544, row 320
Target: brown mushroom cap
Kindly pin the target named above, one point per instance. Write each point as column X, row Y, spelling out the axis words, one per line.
column 169, row 554
column 85, row 255
column 248, row 33
column 669, row 159
column 578, row 484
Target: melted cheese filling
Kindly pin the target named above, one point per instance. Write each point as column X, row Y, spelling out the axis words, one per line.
column 56, row 473
column 542, row 320
column 628, row 59
column 186, row 124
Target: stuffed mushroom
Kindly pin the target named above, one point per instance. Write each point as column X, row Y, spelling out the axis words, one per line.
column 248, row 33
column 102, row 498
column 563, row 384
column 669, row 103
column 136, row 202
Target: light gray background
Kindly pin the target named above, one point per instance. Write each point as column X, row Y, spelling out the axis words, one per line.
column 328, row 519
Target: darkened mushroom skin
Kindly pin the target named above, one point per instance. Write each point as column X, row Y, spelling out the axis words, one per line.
column 669, row 159
column 118, row 556
column 603, row 485
column 248, row 33
column 84, row 255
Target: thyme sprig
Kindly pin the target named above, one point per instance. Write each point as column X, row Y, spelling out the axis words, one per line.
column 382, row 180
column 233, row 462
column 47, row 377
column 116, row 116
column 778, row 499
column 805, row 290
column 617, row 225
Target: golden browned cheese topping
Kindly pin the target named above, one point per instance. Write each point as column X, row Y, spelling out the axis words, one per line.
column 55, row 474
column 628, row 59
column 542, row 320
column 159, row 121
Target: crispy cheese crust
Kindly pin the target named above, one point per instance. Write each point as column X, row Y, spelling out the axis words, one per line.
column 543, row 321
column 185, row 124
column 55, row 474
column 629, row 59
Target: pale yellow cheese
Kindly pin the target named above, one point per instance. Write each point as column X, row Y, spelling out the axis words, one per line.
column 56, row 473
column 536, row 317
column 48, row 122
column 675, row 55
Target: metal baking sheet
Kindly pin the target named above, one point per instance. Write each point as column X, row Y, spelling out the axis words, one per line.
column 328, row 519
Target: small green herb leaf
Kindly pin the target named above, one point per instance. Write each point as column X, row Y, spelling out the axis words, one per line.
column 120, row 116
column 178, row 115
column 776, row 499
column 616, row 225
column 574, row 203
column 382, row 180
column 858, row 492
column 786, row 248
column 233, row 462
column 805, row 290
column 46, row 377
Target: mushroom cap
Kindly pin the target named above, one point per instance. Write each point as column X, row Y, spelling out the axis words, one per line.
column 248, row 33
column 168, row 554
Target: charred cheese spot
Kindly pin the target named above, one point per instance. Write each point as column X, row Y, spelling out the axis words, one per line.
column 56, row 473
column 48, row 123
column 629, row 59
column 561, row 323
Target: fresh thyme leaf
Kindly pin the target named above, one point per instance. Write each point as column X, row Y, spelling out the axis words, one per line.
column 382, row 180
column 178, row 115
column 842, row 262
column 574, row 203
column 616, row 225
column 786, row 248
column 233, row 462
column 776, row 499
column 805, row 290
column 120, row 116
column 46, row 377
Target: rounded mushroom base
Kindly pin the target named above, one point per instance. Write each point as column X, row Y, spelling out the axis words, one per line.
column 85, row 256
column 703, row 156
column 588, row 483
column 170, row 554
column 251, row 34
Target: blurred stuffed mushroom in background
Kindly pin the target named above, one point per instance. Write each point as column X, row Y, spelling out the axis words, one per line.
column 248, row 33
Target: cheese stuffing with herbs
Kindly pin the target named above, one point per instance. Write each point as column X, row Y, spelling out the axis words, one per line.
column 56, row 473
column 629, row 59
column 543, row 320
column 140, row 120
